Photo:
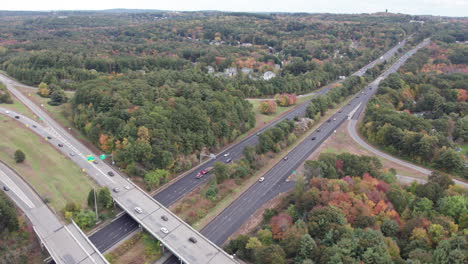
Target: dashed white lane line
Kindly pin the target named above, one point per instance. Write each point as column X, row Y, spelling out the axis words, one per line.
column 14, row 188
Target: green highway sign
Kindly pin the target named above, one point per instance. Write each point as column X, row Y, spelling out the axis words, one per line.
column 102, row 156
column 90, row 158
column 294, row 172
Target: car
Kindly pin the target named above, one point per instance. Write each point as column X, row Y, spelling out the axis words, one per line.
column 313, row 138
column 370, row 88
column 164, row 230
column 258, row 134
column 285, row 158
column 357, row 96
column 193, row 240
column 116, row 190
column 199, row 175
column 7, row 112
column 261, row 179
column 127, row 187
column 163, row 217
column 226, row 154
column 228, row 160
column 6, row 188
column 138, row 210
column 34, row 126
column 334, row 119
column 205, row 171
column 318, row 130
column 110, row 173
column 362, row 92
column 349, row 103
column 329, row 120
column 49, row 137
column 17, row 117
column 60, row 145
column 340, row 111
column 95, row 162
column 72, row 154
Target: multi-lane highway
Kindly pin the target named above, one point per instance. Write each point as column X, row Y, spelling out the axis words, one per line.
column 241, row 209
column 189, row 182
column 112, row 233
column 65, row 243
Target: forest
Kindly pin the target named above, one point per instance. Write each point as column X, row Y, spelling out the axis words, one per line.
column 347, row 209
column 420, row 113
column 157, row 89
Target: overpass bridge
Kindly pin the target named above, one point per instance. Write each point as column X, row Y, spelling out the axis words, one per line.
column 67, row 244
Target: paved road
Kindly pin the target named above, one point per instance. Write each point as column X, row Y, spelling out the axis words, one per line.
column 242, row 208
column 128, row 196
column 187, row 183
column 65, row 243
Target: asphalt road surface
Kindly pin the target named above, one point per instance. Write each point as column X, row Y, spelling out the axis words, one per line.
column 118, row 229
column 242, row 208
column 189, row 182
column 65, row 243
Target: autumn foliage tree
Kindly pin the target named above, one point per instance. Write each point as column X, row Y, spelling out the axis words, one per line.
column 286, row 99
column 267, row 107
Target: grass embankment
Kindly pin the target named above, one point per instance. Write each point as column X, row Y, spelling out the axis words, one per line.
column 51, row 174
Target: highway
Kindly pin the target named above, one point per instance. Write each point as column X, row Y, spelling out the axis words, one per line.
column 189, row 182
column 66, row 244
column 242, row 208
column 111, row 234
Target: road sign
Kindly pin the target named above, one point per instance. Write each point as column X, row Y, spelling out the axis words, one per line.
column 90, row 158
column 102, row 156
column 40, row 118
column 294, row 171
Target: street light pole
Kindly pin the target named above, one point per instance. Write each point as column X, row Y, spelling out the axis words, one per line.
column 95, row 203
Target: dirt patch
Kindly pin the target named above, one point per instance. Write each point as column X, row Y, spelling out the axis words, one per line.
column 140, row 248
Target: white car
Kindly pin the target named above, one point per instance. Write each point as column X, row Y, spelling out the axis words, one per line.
column 261, row 179
column 226, row 154
column 7, row 112
column 138, row 210
column 164, row 230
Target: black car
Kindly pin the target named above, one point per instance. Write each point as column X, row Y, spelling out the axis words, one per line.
column 60, row 145
column 49, row 137
column 110, row 173
column 95, row 162
column 6, row 188
column 313, row 138
column 329, row 120
column 34, row 126
column 17, row 117
column 193, row 240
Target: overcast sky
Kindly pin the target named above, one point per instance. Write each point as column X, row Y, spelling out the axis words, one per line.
column 416, row 7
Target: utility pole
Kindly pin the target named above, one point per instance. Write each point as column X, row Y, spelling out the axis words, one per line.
column 95, row 203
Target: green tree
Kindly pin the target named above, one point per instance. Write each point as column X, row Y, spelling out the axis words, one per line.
column 154, row 178
column 85, row 218
column 265, row 236
column 91, row 198
column 454, row 206
column 58, row 97
column 221, row 171
column 104, row 198
column 307, row 247
column 450, row 161
column 19, row 156
column 272, row 254
column 8, row 218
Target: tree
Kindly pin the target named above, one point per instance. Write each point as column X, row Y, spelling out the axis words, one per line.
column 85, row 218
column 104, row 198
column 390, row 228
column 43, row 90
column 91, row 199
column 272, row 254
column 154, row 178
column 306, row 249
column 221, row 171
column 267, row 107
column 8, row 218
column 454, row 206
column 450, row 161
column 453, row 250
column 265, row 236
column 19, row 156
column 58, row 97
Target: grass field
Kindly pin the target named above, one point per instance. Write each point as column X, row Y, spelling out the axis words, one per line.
column 465, row 149
column 50, row 173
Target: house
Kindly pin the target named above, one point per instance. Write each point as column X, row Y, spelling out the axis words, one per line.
column 230, row 72
column 210, row 69
column 268, row 75
column 246, row 70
